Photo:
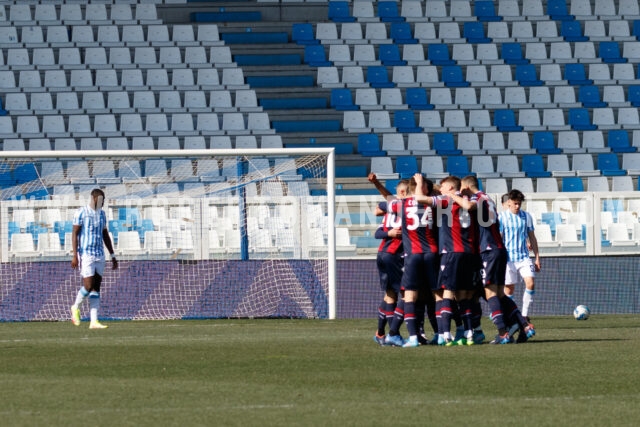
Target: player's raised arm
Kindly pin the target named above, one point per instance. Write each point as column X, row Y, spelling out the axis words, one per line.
column 420, row 193
column 381, row 188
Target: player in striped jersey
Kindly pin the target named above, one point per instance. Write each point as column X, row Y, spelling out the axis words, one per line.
column 89, row 236
column 389, row 259
column 420, row 244
column 459, row 260
column 516, row 226
column 494, row 261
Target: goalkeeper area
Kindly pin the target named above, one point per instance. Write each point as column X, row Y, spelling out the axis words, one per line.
column 198, row 233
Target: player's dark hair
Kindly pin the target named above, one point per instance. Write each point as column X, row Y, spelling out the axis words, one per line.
column 454, row 180
column 516, row 195
column 97, row 192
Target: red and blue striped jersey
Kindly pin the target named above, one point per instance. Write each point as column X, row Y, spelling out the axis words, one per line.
column 458, row 227
column 419, row 231
column 389, row 221
column 489, row 230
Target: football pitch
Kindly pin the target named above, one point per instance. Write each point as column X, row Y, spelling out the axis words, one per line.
column 315, row 373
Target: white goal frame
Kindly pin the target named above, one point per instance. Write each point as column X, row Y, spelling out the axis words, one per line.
column 31, row 156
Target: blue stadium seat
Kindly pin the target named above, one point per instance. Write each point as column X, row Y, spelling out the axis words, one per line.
column 388, row 12
column 572, row 31
column 116, row 226
column 339, row 12
column 512, row 54
column 389, row 54
column 369, row 145
column 400, row 33
column 610, row 53
column 416, row 99
column 458, row 166
column 571, row 184
column 505, row 121
column 636, row 29
column 474, row 32
column 557, row 10
column 633, row 95
column 486, row 11
column 378, row 77
column 25, row 173
column 406, row 166
column 533, row 166
column 526, row 75
column 551, row 218
column 590, row 97
column 131, row 216
column 444, row 144
column 544, row 143
column 452, row 76
column 618, row 141
column 302, row 33
column 316, row 56
column 342, row 100
column 579, row 119
column 405, row 122
column 609, row 165
column 576, row 75
column 438, row 54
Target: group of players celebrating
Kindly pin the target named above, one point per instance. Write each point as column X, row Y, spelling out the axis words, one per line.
column 442, row 250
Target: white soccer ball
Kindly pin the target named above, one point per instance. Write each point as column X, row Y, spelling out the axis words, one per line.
column 581, row 312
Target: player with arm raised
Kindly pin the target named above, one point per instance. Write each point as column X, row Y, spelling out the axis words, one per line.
column 459, row 259
column 89, row 236
column 494, row 260
column 389, row 259
column 420, row 244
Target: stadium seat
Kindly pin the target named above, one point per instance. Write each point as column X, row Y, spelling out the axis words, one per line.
column 302, row 33
column 576, row 75
column 512, row 54
column 527, row 76
column 571, row 31
column 579, row 119
column 618, row 141
column 438, row 54
column 389, row 54
column 378, row 77
column 444, row 144
column 416, row 99
column 572, row 183
column 485, row 11
column 406, row 166
column 405, row 122
column 401, row 33
column 533, row 166
column 609, row 51
column 609, row 165
column 458, row 166
column 505, row 121
column 474, row 31
column 315, row 56
column 543, row 143
column 339, row 11
column 590, row 97
column 369, row 145
column 452, row 76
column 342, row 100
column 388, row 12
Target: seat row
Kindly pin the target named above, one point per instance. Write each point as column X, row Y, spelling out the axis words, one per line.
column 493, row 143
column 506, row 166
column 30, row 14
column 108, row 35
column 482, row 120
column 515, row 97
column 221, row 142
column 118, row 57
column 122, row 79
column 343, row 11
column 133, row 124
column 476, row 32
column 20, row 103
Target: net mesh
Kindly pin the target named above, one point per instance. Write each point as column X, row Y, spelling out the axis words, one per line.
column 197, row 235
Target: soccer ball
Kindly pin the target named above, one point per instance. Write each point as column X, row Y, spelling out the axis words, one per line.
column 581, row 312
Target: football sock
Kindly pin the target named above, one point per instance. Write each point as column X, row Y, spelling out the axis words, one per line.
column 527, row 299
column 94, row 305
column 446, row 314
column 476, row 315
column 385, row 314
column 431, row 314
column 82, row 294
column 410, row 318
column 398, row 318
column 466, row 314
column 496, row 313
column 513, row 312
column 438, row 314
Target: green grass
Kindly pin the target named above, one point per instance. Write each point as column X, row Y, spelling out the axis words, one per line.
column 314, row 372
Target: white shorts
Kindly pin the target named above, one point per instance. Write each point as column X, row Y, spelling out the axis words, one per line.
column 520, row 269
column 91, row 265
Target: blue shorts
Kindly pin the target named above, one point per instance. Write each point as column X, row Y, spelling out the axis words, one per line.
column 390, row 270
column 420, row 272
column 459, row 271
column 494, row 267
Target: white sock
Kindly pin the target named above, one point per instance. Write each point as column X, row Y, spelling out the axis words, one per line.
column 527, row 300
column 82, row 294
column 94, row 305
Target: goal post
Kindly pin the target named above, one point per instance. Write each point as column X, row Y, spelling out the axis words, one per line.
column 198, row 233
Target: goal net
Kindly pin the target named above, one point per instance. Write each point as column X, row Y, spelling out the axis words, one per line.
column 197, row 233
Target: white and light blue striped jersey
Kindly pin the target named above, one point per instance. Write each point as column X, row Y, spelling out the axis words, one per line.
column 515, row 230
column 90, row 237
